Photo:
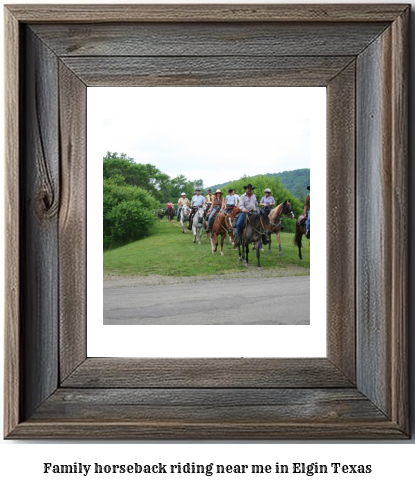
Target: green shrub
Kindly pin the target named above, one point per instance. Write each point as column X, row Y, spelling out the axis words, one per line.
column 128, row 212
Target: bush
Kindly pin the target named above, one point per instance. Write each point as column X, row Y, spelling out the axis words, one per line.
column 128, row 212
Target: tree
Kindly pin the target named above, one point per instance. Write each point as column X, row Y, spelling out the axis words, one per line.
column 145, row 176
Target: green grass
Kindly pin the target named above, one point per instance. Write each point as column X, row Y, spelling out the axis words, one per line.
column 169, row 252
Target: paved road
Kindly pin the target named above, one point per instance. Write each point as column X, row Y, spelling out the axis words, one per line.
column 277, row 301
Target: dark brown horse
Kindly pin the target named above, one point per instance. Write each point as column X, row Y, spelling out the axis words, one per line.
column 170, row 213
column 256, row 227
column 299, row 232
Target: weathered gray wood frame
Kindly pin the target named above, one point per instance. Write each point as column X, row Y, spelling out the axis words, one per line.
column 359, row 52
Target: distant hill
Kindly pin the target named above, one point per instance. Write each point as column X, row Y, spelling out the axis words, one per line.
column 295, row 181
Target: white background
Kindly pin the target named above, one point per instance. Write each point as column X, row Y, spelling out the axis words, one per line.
column 392, row 463
column 275, row 107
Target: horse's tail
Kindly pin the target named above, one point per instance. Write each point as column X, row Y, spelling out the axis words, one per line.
column 298, row 236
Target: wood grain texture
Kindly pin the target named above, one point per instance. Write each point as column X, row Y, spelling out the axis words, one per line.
column 209, row 405
column 341, row 237
column 207, row 71
column 382, row 252
column 12, row 371
column 41, row 175
column 206, row 13
column 212, row 39
column 373, row 211
column 399, row 223
column 206, row 373
column 205, row 399
column 72, row 222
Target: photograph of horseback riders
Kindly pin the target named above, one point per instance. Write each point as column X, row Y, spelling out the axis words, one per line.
column 206, row 205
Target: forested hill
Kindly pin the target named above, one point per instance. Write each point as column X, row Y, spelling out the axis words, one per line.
column 295, row 181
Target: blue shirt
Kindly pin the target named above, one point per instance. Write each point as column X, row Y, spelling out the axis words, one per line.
column 267, row 200
column 198, row 200
column 230, row 200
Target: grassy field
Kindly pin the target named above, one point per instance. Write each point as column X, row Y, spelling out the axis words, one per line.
column 169, row 252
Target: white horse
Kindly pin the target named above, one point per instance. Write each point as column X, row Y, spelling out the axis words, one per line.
column 184, row 218
column 197, row 226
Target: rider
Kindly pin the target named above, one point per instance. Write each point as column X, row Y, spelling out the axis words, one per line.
column 307, row 208
column 169, row 205
column 218, row 203
column 182, row 201
column 248, row 204
column 230, row 200
column 209, row 197
column 267, row 201
column 198, row 201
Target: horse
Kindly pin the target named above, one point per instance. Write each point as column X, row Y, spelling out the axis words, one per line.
column 184, row 217
column 275, row 219
column 170, row 213
column 197, row 226
column 299, row 232
column 221, row 227
column 160, row 213
column 256, row 226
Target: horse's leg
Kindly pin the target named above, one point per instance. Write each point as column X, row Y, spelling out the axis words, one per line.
column 257, row 255
column 247, row 252
column 223, row 237
column 299, row 247
column 194, row 230
column 279, row 243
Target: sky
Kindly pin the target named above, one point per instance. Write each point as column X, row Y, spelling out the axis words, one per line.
column 216, row 134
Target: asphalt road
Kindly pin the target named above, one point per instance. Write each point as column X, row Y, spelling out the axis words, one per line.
column 277, row 301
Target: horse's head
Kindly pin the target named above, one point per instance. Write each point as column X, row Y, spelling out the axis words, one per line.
column 287, row 209
column 185, row 211
column 199, row 215
column 228, row 220
column 267, row 225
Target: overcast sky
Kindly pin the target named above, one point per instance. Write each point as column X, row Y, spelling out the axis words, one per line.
column 211, row 133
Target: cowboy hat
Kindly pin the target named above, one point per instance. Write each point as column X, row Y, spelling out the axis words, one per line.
column 218, row 191
column 267, row 190
column 183, row 193
column 249, row 186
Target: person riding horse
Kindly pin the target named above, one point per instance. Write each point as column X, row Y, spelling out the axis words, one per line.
column 198, row 201
column 182, row 201
column 230, row 200
column 307, row 208
column 218, row 203
column 248, row 204
column 267, row 202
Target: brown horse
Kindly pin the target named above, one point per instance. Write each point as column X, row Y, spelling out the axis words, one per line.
column 275, row 219
column 256, row 227
column 299, row 232
column 221, row 227
column 170, row 213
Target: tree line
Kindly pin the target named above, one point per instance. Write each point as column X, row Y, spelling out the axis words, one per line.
column 133, row 191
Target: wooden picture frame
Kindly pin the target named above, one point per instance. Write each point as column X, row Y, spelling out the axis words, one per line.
column 360, row 53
